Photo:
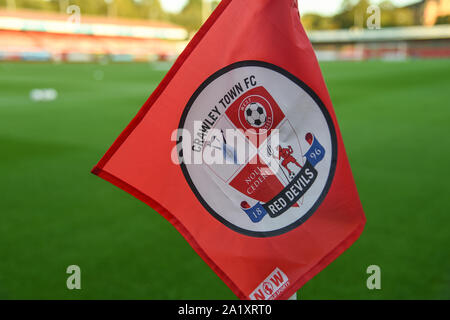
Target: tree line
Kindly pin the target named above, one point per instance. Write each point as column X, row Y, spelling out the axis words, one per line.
column 191, row 16
column 352, row 14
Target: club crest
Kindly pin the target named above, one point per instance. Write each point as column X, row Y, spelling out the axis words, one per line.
column 258, row 148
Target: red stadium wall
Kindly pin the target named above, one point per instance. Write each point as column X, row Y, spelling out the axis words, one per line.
column 423, row 49
column 15, row 43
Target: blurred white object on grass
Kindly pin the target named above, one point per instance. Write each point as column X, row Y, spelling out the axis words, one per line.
column 49, row 94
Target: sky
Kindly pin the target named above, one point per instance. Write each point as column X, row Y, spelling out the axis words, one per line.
column 325, row 7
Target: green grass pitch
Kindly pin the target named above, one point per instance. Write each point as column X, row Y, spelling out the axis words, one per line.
column 395, row 120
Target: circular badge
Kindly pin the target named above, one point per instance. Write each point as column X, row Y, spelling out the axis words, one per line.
column 258, row 148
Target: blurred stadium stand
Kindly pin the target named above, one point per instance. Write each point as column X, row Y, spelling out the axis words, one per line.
column 46, row 36
column 42, row 36
column 386, row 43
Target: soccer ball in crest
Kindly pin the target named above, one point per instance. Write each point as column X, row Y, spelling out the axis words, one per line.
column 255, row 115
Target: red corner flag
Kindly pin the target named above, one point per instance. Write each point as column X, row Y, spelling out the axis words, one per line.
column 239, row 149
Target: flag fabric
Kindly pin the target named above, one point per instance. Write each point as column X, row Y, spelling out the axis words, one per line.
column 240, row 150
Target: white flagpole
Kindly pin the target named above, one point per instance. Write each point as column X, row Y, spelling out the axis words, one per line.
column 294, row 297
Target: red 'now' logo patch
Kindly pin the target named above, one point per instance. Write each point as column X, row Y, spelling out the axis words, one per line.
column 271, row 287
